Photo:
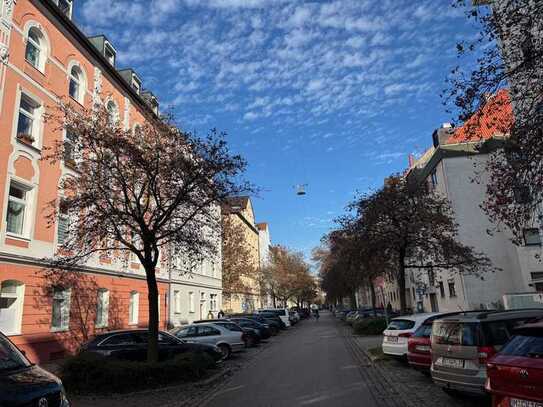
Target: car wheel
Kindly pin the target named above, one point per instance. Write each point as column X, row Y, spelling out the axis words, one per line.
column 225, row 350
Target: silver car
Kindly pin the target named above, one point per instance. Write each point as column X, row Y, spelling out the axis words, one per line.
column 227, row 336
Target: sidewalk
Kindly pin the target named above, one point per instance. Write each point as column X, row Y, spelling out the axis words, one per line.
column 401, row 385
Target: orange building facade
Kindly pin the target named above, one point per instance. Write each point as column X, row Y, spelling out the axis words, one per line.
column 45, row 57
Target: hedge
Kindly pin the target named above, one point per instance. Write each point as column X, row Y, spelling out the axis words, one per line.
column 92, row 373
column 369, row 326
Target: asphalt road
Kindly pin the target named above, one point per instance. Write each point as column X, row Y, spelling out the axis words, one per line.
column 309, row 366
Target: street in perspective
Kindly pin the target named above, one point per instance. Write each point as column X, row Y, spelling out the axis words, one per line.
column 220, row 203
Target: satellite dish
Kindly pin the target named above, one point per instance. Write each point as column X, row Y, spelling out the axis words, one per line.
column 300, row 189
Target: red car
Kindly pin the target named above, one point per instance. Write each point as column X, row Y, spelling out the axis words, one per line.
column 515, row 374
column 419, row 349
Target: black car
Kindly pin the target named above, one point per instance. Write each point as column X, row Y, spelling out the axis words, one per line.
column 263, row 330
column 273, row 315
column 275, row 324
column 25, row 384
column 132, row 345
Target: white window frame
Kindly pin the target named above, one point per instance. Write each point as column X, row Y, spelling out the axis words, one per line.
column 39, row 46
column 134, row 308
column 65, row 295
column 27, row 202
column 76, row 76
column 113, row 114
column 177, row 301
column 34, row 117
column 192, row 305
column 213, row 302
column 18, row 304
column 102, row 308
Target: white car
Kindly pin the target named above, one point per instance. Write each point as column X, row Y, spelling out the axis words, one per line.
column 398, row 331
column 280, row 312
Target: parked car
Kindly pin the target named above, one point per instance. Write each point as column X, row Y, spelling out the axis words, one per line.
column 279, row 312
column 227, row 340
column 25, row 384
column 463, row 344
column 515, row 374
column 293, row 317
column 399, row 330
column 263, row 330
column 132, row 345
column 274, row 323
column 419, row 345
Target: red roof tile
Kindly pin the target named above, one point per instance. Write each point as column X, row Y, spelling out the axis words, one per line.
column 494, row 118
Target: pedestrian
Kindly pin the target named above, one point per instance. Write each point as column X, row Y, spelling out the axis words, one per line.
column 220, row 315
column 210, row 315
column 316, row 312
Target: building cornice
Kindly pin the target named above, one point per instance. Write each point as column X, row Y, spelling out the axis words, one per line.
column 11, row 258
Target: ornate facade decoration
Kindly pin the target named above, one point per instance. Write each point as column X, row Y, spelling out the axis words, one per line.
column 127, row 106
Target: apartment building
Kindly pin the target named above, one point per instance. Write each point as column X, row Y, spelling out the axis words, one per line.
column 44, row 57
column 454, row 167
column 239, row 211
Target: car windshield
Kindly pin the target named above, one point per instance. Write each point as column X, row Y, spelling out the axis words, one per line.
column 455, row 333
column 10, row 357
column 528, row 345
column 400, row 324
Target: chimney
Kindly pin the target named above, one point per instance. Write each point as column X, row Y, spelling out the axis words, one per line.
column 441, row 135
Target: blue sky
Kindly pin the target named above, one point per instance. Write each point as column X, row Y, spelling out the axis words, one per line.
column 333, row 94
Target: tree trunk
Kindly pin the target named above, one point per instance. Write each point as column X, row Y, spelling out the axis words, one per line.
column 152, row 295
column 373, row 298
column 352, row 299
column 274, row 301
column 401, row 282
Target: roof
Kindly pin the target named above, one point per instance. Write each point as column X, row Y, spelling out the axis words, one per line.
column 494, row 118
column 495, row 315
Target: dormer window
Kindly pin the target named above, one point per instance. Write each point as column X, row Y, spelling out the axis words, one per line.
column 65, row 7
column 109, row 53
column 136, row 85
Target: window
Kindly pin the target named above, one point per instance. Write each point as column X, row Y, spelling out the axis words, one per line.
column 120, row 340
column 400, row 324
column 65, row 7
column 27, row 129
column 452, row 289
column 113, row 112
column 208, row 331
column 532, row 237
column 134, row 307
column 102, row 308
column 70, row 149
column 61, row 309
column 441, row 289
column 17, row 209
column 63, row 227
column 11, row 306
column 433, row 178
column 213, row 302
column 75, row 88
column 34, row 49
column 177, row 301
column 109, row 53
column 191, row 302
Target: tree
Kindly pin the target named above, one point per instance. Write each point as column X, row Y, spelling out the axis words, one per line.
column 404, row 226
column 155, row 190
column 287, row 276
column 508, row 53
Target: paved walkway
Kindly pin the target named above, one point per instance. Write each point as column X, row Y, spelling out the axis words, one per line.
column 310, row 366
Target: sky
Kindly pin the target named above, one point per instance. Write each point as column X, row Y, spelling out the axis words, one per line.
column 332, row 94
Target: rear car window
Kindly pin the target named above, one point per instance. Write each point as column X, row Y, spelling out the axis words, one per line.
column 400, row 324
column 455, row 333
column 424, row 331
column 524, row 345
column 496, row 333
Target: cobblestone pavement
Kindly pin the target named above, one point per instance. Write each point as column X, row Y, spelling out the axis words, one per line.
column 394, row 383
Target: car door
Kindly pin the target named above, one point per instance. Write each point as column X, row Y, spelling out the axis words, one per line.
column 126, row 346
column 169, row 346
column 209, row 334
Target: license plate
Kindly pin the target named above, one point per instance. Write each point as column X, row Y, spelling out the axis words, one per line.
column 524, row 403
column 393, row 339
column 455, row 363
